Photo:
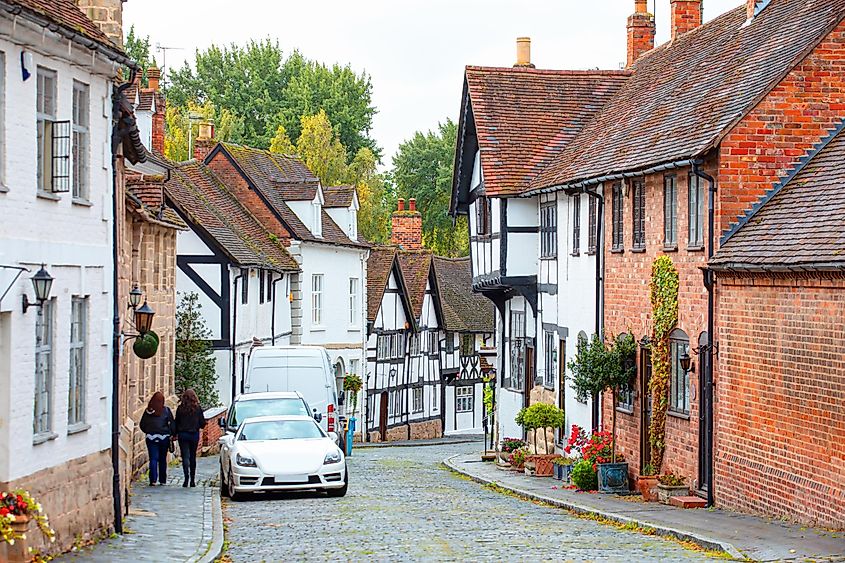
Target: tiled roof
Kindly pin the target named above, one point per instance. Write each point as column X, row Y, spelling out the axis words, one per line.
column 200, row 196
column 160, row 213
column 684, row 96
column 379, row 265
column 281, row 178
column 463, row 310
column 339, row 196
column 68, row 15
column 800, row 225
column 415, row 266
column 146, row 100
column 523, row 117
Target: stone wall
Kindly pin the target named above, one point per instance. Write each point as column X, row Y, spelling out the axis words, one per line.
column 426, row 430
column 77, row 498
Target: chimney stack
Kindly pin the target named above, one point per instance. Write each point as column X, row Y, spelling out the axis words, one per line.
column 204, row 141
column 153, row 78
column 686, row 16
column 751, row 7
column 641, row 32
column 406, row 225
column 523, row 53
column 108, row 15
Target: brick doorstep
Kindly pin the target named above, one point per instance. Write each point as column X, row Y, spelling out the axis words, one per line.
column 740, row 536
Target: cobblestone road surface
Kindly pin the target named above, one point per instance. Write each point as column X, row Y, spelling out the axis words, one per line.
column 403, row 505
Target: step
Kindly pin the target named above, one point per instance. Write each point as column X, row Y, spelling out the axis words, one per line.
column 688, row 502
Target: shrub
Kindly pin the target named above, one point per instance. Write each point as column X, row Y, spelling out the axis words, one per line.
column 540, row 416
column 671, row 480
column 563, row 461
column 584, row 476
column 649, row 471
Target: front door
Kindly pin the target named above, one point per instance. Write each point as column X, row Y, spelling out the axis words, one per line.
column 382, row 417
column 645, row 407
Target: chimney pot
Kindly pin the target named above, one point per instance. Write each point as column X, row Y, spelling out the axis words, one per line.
column 406, row 226
column 206, row 131
column 412, row 204
column 204, row 141
column 523, row 52
column 640, row 6
column 400, row 204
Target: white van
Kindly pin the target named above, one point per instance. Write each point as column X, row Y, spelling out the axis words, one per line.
column 305, row 369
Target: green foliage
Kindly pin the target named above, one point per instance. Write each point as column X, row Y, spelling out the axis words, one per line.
column 487, row 398
column 146, row 346
column 194, row 364
column 352, row 384
column 422, row 168
column 280, row 143
column 584, row 476
column 177, row 123
column 138, row 49
column 321, row 150
column 563, row 461
column 671, row 480
column 649, row 470
column 540, row 416
column 664, row 308
column 598, row 367
column 518, row 457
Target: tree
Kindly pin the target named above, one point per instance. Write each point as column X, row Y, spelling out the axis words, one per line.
column 194, row 366
column 177, row 123
column 375, row 195
column 422, row 168
column 280, row 143
column 321, row 150
column 138, row 49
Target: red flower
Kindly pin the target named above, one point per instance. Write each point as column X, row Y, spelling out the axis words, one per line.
column 4, row 511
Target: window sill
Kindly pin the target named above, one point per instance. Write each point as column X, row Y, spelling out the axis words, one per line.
column 43, row 437
column 82, row 202
column 549, row 258
column 47, row 195
column 354, row 329
column 673, row 248
column 695, row 248
column 78, row 428
column 638, row 250
column 591, row 253
column 625, row 410
column 676, row 414
column 617, row 251
column 318, row 329
column 575, row 254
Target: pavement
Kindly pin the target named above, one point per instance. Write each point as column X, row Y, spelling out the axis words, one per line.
column 445, row 440
column 740, row 536
column 168, row 523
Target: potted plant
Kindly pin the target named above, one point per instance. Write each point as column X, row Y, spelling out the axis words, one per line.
column 671, row 485
column 509, row 445
column 541, row 416
column 599, row 367
column 17, row 512
column 647, row 483
column 583, row 476
column 563, row 468
column 518, row 458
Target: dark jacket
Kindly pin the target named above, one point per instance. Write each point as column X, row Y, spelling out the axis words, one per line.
column 157, row 425
column 189, row 421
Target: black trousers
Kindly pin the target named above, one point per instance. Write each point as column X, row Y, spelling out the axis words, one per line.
column 188, row 442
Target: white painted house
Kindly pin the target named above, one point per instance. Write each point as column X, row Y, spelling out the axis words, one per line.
column 57, row 72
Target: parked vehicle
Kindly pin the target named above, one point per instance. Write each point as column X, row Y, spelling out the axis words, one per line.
column 250, row 405
column 305, row 369
column 279, row 453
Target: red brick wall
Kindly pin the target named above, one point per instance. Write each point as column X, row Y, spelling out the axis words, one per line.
column 232, row 179
column 406, row 226
column 781, row 397
column 212, row 431
column 628, row 309
column 794, row 117
column 686, row 16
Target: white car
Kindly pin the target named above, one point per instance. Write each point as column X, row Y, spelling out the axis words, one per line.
column 281, row 453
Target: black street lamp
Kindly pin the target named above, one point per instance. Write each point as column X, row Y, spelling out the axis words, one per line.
column 42, row 281
column 144, row 319
column 135, row 297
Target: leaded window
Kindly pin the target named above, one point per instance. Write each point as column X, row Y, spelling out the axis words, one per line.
column 482, row 216
column 679, row 382
column 696, row 211
column 418, row 399
column 550, row 359
column 548, row 230
column 78, row 364
column 42, row 421
column 449, row 342
column 576, row 224
column 592, row 237
column 617, row 217
column 464, row 396
column 670, row 212
column 261, row 293
column 317, row 299
column 467, row 344
column 517, row 350
column 45, row 108
column 81, row 142
column 638, row 214
column 353, row 301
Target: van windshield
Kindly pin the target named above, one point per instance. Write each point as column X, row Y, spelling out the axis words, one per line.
column 266, row 407
column 310, row 381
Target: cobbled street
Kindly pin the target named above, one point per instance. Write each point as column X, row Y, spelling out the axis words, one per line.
column 404, row 505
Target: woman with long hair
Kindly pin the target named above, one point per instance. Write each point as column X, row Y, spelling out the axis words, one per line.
column 189, row 420
column 157, row 424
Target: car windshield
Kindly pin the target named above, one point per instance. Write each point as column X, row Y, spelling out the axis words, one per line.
column 266, row 407
column 280, row 430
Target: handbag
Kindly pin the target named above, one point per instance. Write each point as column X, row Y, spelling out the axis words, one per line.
column 172, row 447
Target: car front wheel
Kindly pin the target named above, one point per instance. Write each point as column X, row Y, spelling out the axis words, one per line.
column 233, row 494
column 341, row 492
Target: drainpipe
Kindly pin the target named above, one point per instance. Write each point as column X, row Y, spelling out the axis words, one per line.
column 710, row 284
column 234, row 334
column 116, row 336
column 273, row 312
column 599, row 279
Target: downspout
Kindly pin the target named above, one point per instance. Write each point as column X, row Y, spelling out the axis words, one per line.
column 599, row 280
column 234, row 334
column 273, row 312
column 710, row 284
column 116, row 336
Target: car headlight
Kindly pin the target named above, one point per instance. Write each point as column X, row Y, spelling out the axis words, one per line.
column 244, row 461
column 332, row 457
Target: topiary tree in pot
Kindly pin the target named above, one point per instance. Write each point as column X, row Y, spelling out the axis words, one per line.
column 541, row 416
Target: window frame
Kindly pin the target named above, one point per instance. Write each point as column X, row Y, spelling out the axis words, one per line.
column 670, row 212
column 638, row 236
column 78, row 366
column 617, row 218
column 483, row 212
column 464, row 398
column 44, row 115
column 679, row 400
column 449, row 342
column 592, row 235
column 695, row 212
column 353, row 301
column 81, row 145
column 467, row 345
column 417, row 399
column 268, row 284
column 548, row 230
column 42, row 424
column 261, row 293
column 317, row 300
column 576, row 224
column 245, row 287
column 549, row 359
column 517, row 351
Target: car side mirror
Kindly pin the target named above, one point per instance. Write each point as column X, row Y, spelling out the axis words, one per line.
column 318, row 416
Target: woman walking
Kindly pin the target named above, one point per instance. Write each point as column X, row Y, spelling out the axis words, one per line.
column 157, row 424
column 189, row 420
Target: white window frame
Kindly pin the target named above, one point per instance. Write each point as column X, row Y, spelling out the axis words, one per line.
column 78, row 367
column 317, row 299
column 353, row 302
column 464, row 398
column 43, row 399
column 318, row 220
column 3, row 83
column 45, row 112
column 418, row 400
column 81, row 141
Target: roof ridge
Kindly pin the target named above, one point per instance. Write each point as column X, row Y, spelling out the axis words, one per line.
column 551, row 71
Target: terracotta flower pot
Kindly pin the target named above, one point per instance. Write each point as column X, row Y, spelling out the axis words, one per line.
column 647, row 486
column 543, row 466
column 18, row 552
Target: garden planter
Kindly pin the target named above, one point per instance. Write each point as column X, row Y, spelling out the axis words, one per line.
column 665, row 492
column 647, row 486
column 543, row 466
column 613, row 478
column 566, row 473
column 18, row 552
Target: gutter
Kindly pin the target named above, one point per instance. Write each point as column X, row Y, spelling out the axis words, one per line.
column 611, row 177
column 110, row 53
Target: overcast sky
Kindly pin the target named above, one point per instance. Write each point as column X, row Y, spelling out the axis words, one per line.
column 414, row 50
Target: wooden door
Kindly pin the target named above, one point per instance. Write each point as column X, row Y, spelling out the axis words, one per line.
column 382, row 417
column 645, row 407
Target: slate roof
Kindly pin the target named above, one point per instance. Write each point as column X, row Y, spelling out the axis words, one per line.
column 415, row 265
column 379, row 265
column 339, row 196
column 200, row 196
column 68, row 15
column 523, row 117
column 801, row 223
column 463, row 310
column 684, row 96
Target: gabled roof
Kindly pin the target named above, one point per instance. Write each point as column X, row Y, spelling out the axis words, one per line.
column 381, row 262
column 520, row 118
column 686, row 95
column 208, row 205
column 339, row 196
column 800, row 224
column 463, row 310
column 67, row 14
column 416, row 265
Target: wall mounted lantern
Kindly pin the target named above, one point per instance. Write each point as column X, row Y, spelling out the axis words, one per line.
column 135, row 297
column 144, row 319
column 686, row 362
column 42, row 281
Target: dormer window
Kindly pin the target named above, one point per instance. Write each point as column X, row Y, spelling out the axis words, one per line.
column 318, row 220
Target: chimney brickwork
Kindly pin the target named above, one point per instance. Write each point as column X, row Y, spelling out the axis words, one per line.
column 686, row 16
column 153, row 80
column 204, row 141
column 406, row 226
column 641, row 31
column 108, row 15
